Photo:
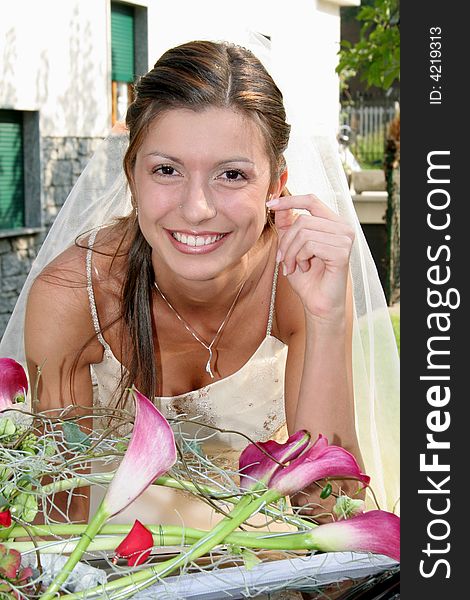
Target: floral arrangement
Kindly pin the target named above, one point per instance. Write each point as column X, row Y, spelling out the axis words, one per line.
column 42, row 455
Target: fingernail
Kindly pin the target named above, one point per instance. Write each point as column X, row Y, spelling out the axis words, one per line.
column 284, row 270
column 272, row 202
column 278, row 256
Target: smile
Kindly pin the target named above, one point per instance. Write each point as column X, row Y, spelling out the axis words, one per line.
column 197, row 240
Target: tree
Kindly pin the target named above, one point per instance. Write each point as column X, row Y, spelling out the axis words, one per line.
column 375, row 58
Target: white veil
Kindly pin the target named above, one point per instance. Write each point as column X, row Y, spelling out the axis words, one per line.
column 314, row 166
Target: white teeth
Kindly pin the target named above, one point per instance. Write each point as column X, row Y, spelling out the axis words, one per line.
column 196, row 240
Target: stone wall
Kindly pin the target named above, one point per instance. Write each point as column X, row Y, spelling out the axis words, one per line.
column 16, row 257
column 63, row 159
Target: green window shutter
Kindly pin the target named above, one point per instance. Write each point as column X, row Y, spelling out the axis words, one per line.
column 11, row 170
column 122, row 42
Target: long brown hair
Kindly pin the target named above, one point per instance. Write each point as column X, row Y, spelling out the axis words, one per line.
column 195, row 75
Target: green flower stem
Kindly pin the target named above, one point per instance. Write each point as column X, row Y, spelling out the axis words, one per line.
column 173, row 535
column 128, row 585
column 88, row 535
column 167, row 481
column 77, row 482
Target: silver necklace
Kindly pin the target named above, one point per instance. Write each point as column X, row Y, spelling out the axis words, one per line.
column 194, row 333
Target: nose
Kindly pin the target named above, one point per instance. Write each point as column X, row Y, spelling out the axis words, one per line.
column 197, row 205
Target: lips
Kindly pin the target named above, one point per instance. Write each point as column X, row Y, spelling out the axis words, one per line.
column 197, row 240
column 196, row 243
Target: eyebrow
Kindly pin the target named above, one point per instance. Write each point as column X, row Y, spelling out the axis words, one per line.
column 233, row 159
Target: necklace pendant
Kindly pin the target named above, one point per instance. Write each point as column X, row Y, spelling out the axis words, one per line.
column 208, row 368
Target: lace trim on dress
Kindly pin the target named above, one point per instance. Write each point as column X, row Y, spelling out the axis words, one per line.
column 91, row 296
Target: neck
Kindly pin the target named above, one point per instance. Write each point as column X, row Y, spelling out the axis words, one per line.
column 211, row 294
column 208, row 295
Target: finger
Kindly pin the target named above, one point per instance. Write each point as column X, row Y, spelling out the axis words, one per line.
column 308, row 202
column 307, row 223
column 299, row 251
column 283, row 220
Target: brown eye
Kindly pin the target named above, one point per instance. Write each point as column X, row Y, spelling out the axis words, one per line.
column 233, row 175
column 166, row 170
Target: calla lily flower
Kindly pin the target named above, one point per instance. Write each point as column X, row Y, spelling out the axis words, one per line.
column 5, row 518
column 13, row 383
column 151, row 452
column 256, row 467
column 306, row 465
column 136, row 546
column 375, row 531
column 318, row 462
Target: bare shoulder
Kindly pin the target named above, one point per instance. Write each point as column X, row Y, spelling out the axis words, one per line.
column 57, row 312
column 58, row 316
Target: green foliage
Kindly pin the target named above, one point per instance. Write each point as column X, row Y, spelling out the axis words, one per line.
column 375, row 58
column 12, row 575
column 396, row 328
column 369, row 150
column 18, row 492
column 74, row 437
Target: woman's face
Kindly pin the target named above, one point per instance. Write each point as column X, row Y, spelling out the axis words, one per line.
column 201, row 180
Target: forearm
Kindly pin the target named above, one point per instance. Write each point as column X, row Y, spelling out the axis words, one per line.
column 326, row 405
column 325, row 401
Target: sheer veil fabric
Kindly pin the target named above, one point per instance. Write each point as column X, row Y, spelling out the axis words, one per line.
column 101, row 194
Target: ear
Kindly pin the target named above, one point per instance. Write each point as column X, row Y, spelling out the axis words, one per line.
column 279, row 185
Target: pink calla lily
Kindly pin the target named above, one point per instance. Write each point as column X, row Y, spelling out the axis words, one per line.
column 13, row 383
column 318, row 462
column 136, row 546
column 257, row 467
column 375, row 531
column 305, row 465
column 151, row 452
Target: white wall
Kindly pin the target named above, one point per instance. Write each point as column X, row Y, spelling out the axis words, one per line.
column 54, row 58
column 55, row 54
column 305, row 40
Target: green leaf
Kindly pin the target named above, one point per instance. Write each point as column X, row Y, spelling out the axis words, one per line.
column 378, row 46
column 25, row 506
column 9, row 562
column 49, row 448
column 7, row 427
column 75, row 439
column 121, row 447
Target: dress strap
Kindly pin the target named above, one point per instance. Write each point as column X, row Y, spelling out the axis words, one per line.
column 91, row 295
column 273, row 300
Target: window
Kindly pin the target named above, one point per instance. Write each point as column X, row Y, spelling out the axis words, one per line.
column 20, row 171
column 11, row 170
column 129, row 54
column 123, row 58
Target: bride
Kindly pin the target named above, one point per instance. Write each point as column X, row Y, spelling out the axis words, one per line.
column 219, row 294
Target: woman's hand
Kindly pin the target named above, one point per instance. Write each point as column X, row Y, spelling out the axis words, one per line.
column 309, row 503
column 314, row 249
